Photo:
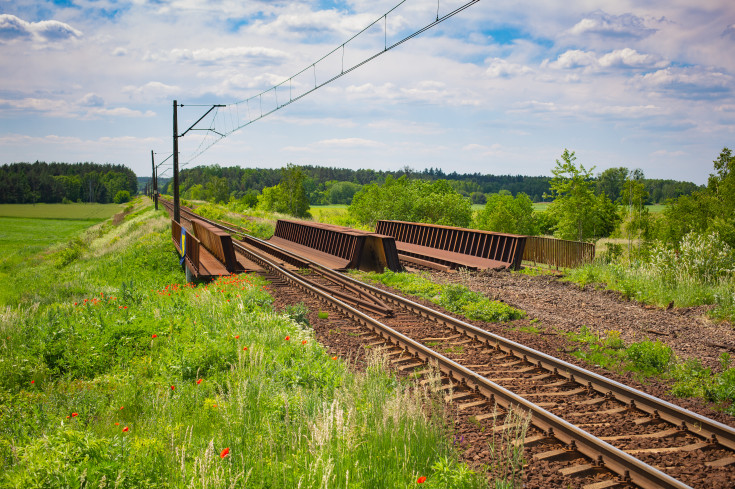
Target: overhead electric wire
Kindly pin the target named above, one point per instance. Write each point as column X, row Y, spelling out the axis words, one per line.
column 235, row 123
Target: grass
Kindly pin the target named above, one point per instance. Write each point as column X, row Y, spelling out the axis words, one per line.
column 94, row 212
column 455, row 298
column 644, row 286
column 24, row 237
column 114, row 373
column 656, row 359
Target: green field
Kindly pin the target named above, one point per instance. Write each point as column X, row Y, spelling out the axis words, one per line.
column 25, row 237
column 94, row 212
column 27, row 229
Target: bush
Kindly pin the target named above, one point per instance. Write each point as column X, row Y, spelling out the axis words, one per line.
column 650, row 358
column 404, row 199
column 121, row 197
column 699, row 259
column 506, row 214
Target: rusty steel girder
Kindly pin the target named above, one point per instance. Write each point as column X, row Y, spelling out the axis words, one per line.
column 454, row 247
column 351, row 248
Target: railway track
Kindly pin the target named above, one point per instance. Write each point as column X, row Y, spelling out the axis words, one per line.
column 588, row 431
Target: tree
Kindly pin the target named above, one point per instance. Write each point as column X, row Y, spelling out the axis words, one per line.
column 341, row 192
column 218, row 190
column 292, row 185
column 711, row 209
column 636, row 218
column 506, row 214
column 121, row 197
column 406, row 199
column 289, row 196
column 611, row 182
column 580, row 215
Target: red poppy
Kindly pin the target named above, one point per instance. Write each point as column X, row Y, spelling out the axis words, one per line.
column 288, row 338
column 117, row 424
column 237, row 337
column 173, row 387
column 126, row 429
column 214, row 405
column 199, row 381
column 245, row 349
column 74, row 415
column 421, row 479
column 154, row 336
column 75, row 303
column 33, row 381
column 121, row 407
column 224, row 453
column 334, row 358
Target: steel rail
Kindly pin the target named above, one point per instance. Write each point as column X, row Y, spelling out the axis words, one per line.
column 601, row 453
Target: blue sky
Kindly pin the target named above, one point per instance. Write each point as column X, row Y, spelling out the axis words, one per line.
column 502, row 87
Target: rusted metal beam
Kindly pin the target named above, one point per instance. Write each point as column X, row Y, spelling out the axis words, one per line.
column 458, row 247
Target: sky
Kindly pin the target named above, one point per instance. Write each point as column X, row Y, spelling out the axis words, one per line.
column 501, row 87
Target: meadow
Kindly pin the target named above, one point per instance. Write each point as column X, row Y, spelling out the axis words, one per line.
column 113, row 372
column 93, row 212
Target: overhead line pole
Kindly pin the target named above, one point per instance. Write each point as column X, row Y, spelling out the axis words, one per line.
column 153, row 180
column 177, row 210
column 177, row 214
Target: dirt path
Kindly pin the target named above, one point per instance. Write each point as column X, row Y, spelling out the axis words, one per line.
column 565, row 306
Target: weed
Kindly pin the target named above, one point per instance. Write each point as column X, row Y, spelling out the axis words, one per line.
column 299, row 313
column 323, row 315
column 649, row 357
column 453, row 297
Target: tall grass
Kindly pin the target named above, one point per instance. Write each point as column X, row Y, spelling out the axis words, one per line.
column 700, row 272
column 113, row 374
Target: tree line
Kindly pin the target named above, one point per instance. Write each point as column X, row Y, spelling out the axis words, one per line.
column 325, row 185
column 30, row 183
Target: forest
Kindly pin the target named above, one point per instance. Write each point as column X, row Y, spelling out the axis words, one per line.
column 325, row 185
column 40, row 182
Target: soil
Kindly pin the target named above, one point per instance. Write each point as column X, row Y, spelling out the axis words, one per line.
column 561, row 306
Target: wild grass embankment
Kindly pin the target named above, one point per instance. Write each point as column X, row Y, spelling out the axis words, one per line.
column 114, row 373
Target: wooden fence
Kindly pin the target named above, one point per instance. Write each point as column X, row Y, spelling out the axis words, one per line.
column 558, row 252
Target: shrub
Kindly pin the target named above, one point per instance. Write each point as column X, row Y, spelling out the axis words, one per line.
column 121, row 197
column 650, row 358
column 699, row 259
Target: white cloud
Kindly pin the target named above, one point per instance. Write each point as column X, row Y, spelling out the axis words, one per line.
column 260, row 54
column 407, row 127
column 630, row 58
column 619, row 58
column 122, row 112
column 498, row 67
column 301, row 21
column 667, row 153
column 151, row 91
column 14, row 28
column 92, row 100
column 574, row 58
column 351, row 143
column 618, row 26
column 689, row 82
